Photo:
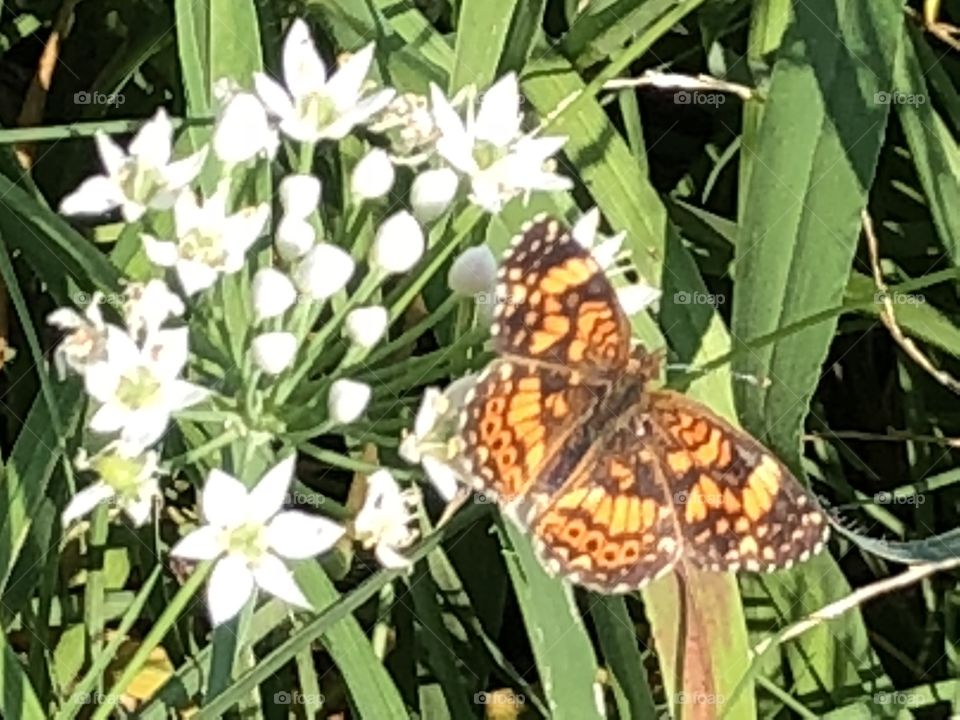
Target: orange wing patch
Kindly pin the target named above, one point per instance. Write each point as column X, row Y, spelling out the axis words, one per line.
column 556, row 305
column 611, row 527
column 738, row 505
column 515, row 422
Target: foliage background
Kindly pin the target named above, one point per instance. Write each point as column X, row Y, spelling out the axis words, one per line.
column 755, row 202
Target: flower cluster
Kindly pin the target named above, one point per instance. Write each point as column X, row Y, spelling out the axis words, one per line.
column 197, row 229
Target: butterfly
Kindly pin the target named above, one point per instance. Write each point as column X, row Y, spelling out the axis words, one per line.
column 615, row 482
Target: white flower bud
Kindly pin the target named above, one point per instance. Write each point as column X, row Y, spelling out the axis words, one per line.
column 295, row 237
column 474, row 271
column 432, row 193
column 373, row 176
column 273, row 293
column 347, row 401
column 399, row 243
column 273, row 352
column 325, row 270
column 299, row 195
column 637, row 297
column 366, row 325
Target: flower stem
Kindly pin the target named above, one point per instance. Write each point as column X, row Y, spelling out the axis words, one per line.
column 157, row 632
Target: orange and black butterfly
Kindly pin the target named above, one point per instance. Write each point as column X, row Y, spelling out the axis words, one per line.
column 615, row 482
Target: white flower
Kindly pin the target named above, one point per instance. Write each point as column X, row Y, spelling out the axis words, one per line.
column 637, row 297
column 295, row 237
column 433, row 442
column 299, row 196
column 209, row 241
column 490, row 150
column 473, row 272
column 365, row 326
column 432, row 193
column 147, row 307
column 141, row 178
column 383, row 521
column 139, row 388
column 312, row 106
column 324, row 271
column 249, row 536
column 347, row 400
column 274, row 351
column 243, row 131
column 125, row 476
column 399, row 243
column 85, row 343
column 604, row 249
column 273, row 293
column 373, row 176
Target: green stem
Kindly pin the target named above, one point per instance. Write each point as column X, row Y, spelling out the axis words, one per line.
column 93, row 676
column 93, row 592
column 192, row 456
column 157, row 632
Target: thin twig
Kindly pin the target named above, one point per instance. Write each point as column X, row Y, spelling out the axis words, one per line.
column 889, row 318
column 857, row 597
column 944, row 32
column 889, row 436
column 675, row 81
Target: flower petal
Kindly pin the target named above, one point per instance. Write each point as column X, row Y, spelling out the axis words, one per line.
column 95, row 196
column 153, row 144
column 224, row 500
column 267, row 496
column 454, row 144
column 303, row 69
column 274, row 96
column 195, row 276
column 442, row 477
column 181, row 173
column 160, row 252
column 230, row 586
column 297, row 535
column 111, row 155
column 299, row 195
column 201, row 544
column 109, row 418
column 275, row 578
column 86, row 500
column 345, row 85
column 499, row 118
column 273, row 352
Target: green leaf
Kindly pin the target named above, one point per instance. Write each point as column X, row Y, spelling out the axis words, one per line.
column 483, row 26
column 812, row 167
column 618, row 643
column 17, row 695
column 934, row 150
column 565, row 658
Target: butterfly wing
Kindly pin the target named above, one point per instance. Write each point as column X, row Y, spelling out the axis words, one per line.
column 555, row 304
column 737, row 505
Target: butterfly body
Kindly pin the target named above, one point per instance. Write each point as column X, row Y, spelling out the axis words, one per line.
column 615, row 482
